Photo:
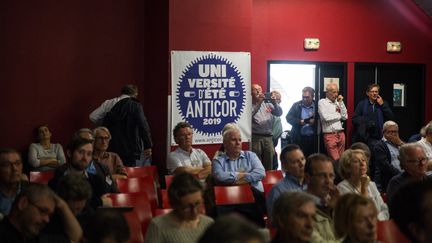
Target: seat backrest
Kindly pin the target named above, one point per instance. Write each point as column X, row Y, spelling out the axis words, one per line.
column 142, row 171
column 267, row 188
column 161, row 211
column 228, row 195
column 272, row 177
column 137, row 235
column 41, row 177
column 140, row 184
column 165, row 200
column 388, row 231
column 140, row 203
column 168, row 180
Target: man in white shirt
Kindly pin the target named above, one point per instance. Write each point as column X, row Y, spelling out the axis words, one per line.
column 332, row 111
column 98, row 115
column 185, row 158
column 426, row 141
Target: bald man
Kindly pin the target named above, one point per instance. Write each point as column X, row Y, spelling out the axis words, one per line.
column 332, row 112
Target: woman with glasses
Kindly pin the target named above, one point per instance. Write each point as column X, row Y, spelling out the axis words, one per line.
column 353, row 166
column 45, row 155
column 112, row 160
column 186, row 223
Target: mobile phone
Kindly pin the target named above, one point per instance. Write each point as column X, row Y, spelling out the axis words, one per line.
column 267, row 96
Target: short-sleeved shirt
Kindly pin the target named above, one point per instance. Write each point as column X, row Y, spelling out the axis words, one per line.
column 182, row 158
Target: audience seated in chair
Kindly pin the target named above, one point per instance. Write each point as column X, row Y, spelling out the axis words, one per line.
column 232, row 229
column 293, row 162
column 411, row 210
column 294, row 215
column 355, row 219
column 11, row 183
column 80, row 153
column 107, row 226
column 237, row 167
column 385, row 155
column 185, row 223
column 95, row 167
column 319, row 176
column 414, row 163
column 186, row 158
column 111, row 160
column 353, row 168
column 45, row 155
column 76, row 191
column 29, row 218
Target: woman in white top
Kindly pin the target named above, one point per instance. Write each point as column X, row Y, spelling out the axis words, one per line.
column 353, row 166
column 45, row 155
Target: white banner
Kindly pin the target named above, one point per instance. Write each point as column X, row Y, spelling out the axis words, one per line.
column 209, row 90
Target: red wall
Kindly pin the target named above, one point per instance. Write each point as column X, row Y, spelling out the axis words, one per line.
column 349, row 31
column 61, row 59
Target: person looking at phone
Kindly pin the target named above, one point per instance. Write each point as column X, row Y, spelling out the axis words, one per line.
column 369, row 117
column 332, row 112
column 262, row 125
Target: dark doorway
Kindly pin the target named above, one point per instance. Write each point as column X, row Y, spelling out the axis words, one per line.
column 402, row 86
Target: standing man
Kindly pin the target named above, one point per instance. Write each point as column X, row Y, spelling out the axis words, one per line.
column 369, row 117
column 303, row 117
column 293, row 162
column 332, row 112
column 131, row 138
column 276, row 129
column 185, row 158
column 262, row 125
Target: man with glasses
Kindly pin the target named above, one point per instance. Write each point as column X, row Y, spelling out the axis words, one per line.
column 319, row 177
column 413, row 161
column 303, row 117
column 11, row 182
column 30, row 215
column 385, row 155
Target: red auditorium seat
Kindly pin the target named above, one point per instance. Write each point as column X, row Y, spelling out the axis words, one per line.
column 140, row 184
column 267, row 188
column 272, row 177
column 161, row 211
column 388, row 231
column 140, row 203
column 165, row 200
column 168, row 180
column 142, row 171
column 135, row 227
column 42, row 177
column 228, row 195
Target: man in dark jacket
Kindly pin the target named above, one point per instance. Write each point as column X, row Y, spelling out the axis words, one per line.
column 131, row 138
column 303, row 117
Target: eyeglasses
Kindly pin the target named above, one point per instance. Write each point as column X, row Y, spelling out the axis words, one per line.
column 103, row 138
column 323, row 175
column 191, row 207
column 42, row 211
column 417, row 161
column 9, row 164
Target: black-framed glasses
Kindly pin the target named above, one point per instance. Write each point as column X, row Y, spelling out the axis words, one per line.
column 42, row 210
column 9, row 164
column 417, row 161
column 191, row 207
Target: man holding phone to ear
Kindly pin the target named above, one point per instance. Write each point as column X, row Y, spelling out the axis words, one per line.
column 368, row 119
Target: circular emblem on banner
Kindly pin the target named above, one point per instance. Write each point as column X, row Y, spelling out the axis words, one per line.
column 210, row 93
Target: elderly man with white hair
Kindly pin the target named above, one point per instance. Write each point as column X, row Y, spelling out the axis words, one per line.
column 385, row 155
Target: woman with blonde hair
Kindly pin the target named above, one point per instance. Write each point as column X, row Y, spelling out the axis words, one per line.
column 353, row 166
column 355, row 219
